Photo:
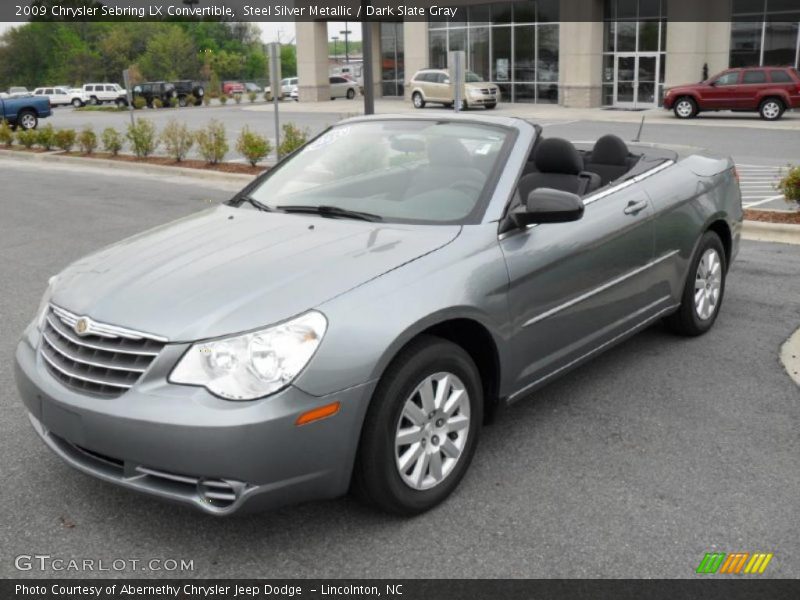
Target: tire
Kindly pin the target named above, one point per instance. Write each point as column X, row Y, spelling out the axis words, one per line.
column 418, row 100
column 120, row 103
column 378, row 477
column 490, row 106
column 76, row 102
column 685, row 108
column 351, row 93
column 94, row 101
column 182, row 101
column 771, row 109
column 691, row 319
column 27, row 119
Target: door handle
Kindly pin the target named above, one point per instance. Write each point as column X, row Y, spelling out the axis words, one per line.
column 635, row 206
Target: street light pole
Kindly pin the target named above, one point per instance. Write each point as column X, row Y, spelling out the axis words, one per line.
column 346, row 33
column 366, row 51
column 335, row 39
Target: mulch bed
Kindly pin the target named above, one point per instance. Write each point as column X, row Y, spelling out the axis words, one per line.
column 164, row 161
column 772, row 216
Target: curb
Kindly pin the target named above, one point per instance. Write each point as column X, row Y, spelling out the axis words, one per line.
column 143, row 169
column 790, row 356
column 759, row 231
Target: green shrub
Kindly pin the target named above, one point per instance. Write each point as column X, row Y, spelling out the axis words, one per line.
column 268, row 95
column 26, row 137
column 293, row 138
column 46, row 137
column 789, row 184
column 157, row 103
column 6, row 134
column 65, row 139
column 87, row 140
column 252, row 146
column 252, row 97
column 177, row 139
column 191, row 100
column 142, row 136
column 237, row 98
column 223, row 99
column 139, row 103
column 206, row 100
column 173, row 102
column 211, row 142
column 112, row 141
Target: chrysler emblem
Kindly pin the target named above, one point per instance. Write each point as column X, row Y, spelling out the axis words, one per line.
column 81, row 326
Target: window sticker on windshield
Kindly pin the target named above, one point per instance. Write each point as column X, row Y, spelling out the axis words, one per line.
column 329, row 138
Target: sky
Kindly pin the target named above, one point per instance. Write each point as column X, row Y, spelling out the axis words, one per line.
column 273, row 32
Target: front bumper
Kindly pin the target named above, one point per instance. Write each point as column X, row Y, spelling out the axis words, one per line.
column 183, row 444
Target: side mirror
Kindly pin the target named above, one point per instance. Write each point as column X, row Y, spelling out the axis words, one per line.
column 712, row 84
column 546, row 205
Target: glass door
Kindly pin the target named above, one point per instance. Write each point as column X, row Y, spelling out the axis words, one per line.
column 636, row 80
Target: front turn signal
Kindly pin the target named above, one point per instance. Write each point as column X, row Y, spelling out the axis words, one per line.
column 315, row 414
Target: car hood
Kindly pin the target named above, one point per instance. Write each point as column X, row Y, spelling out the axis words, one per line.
column 227, row 270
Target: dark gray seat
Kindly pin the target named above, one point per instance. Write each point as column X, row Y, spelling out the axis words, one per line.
column 610, row 159
column 559, row 166
column 449, row 163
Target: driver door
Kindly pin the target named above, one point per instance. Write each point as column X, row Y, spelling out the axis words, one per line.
column 575, row 286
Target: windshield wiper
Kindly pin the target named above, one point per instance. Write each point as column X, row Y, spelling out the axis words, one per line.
column 255, row 203
column 330, row 211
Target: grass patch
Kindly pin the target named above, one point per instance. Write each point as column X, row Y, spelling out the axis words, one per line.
column 101, row 108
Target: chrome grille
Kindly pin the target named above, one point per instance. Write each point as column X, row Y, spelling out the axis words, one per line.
column 104, row 361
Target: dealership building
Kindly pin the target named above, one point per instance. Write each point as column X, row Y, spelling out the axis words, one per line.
column 579, row 53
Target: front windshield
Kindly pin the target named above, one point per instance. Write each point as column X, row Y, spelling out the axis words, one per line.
column 471, row 77
column 398, row 170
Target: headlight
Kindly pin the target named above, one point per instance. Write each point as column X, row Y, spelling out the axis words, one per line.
column 474, row 92
column 252, row 365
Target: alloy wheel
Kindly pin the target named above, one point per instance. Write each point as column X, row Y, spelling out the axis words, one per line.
column 432, row 431
column 28, row 121
column 684, row 108
column 771, row 110
column 707, row 284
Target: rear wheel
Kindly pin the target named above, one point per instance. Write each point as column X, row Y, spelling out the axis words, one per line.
column 94, row 101
column 351, row 93
column 418, row 100
column 76, row 102
column 421, row 429
column 27, row 119
column 182, row 101
column 685, row 108
column 703, row 290
column 771, row 109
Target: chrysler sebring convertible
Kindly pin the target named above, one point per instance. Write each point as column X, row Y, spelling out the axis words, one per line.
column 352, row 318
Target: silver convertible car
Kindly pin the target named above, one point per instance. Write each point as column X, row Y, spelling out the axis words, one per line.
column 352, row 317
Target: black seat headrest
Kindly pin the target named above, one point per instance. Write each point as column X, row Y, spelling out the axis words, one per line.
column 610, row 150
column 556, row 155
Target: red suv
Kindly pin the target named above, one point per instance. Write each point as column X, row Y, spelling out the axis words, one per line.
column 766, row 90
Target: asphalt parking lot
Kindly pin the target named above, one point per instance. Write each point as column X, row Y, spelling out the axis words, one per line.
column 633, row 466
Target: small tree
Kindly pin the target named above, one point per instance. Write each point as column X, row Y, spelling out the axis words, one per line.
column 206, row 100
column 173, row 102
column 237, row 98
column 142, row 136
column 252, row 146
column 112, row 141
column 87, row 140
column 26, row 138
column 223, row 99
column 177, row 139
column 293, row 138
column 46, row 137
column 65, row 139
column 157, row 103
column 252, row 97
column 139, row 103
column 191, row 100
column 789, row 184
column 6, row 134
column 212, row 143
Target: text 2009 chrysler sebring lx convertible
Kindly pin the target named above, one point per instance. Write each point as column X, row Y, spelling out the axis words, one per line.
column 352, row 316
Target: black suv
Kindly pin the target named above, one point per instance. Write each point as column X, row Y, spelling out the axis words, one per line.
column 186, row 88
column 152, row 90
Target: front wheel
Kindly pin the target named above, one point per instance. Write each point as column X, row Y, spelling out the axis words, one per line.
column 703, row 290
column 771, row 109
column 685, row 108
column 490, row 106
column 27, row 119
column 76, row 102
column 421, row 429
column 418, row 100
column 351, row 93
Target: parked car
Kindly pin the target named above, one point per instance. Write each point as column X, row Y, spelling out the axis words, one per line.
column 404, row 277
column 57, row 96
column 78, row 97
column 24, row 111
column 766, row 90
column 229, row 88
column 100, row 93
column 342, row 87
column 294, row 93
column 433, row 85
column 16, row 91
column 288, row 84
column 186, row 88
column 152, row 90
column 252, row 87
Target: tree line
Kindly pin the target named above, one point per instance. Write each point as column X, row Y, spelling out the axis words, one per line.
column 66, row 53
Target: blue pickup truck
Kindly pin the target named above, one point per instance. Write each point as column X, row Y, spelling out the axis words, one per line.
column 24, row 111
